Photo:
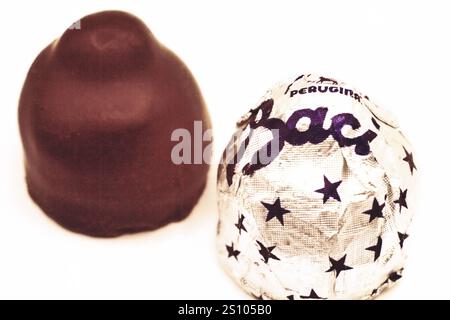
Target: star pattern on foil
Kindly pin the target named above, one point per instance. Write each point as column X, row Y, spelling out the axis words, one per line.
column 232, row 252
column 312, row 295
column 266, row 253
column 260, row 297
column 376, row 211
column 329, row 190
column 402, row 237
column 402, row 200
column 338, row 265
column 410, row 160
column 392, row 277
column 240, row 224
column 275, row 210
column 376, row 248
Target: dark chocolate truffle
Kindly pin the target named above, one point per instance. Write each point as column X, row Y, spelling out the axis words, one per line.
column 96, row 115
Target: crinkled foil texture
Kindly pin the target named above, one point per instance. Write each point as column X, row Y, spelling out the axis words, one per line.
column 321, row 248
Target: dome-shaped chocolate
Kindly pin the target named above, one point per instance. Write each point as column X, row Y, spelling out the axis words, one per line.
column 96, row 115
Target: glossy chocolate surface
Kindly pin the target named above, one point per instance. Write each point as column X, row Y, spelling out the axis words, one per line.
column 96, row 115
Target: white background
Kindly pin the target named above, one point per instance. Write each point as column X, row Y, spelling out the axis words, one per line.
column 396, row 52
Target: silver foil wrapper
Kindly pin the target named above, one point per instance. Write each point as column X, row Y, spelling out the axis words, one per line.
column 323, row 212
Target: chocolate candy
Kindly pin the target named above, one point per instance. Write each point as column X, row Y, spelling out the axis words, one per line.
column 96, row 115
column 315, row 195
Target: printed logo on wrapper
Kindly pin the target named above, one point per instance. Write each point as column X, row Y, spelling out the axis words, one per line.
column 287, row 132
column 281, row 133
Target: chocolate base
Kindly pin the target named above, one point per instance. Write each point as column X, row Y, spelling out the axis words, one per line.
column 96, row 115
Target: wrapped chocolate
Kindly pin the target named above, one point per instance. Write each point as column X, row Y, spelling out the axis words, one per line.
column 314, row 195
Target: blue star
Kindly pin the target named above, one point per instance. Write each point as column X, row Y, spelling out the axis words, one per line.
column 275, row 210
column 266, row 252
column 402, row 200
column 338, row 265
column 409, row 158
column 329, row 190
column 376, row 211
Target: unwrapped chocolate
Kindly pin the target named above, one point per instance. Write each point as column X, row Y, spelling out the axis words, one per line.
column 96, row 115
column 314, row 194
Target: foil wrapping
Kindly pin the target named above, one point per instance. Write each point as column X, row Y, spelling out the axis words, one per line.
column 313, row 194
